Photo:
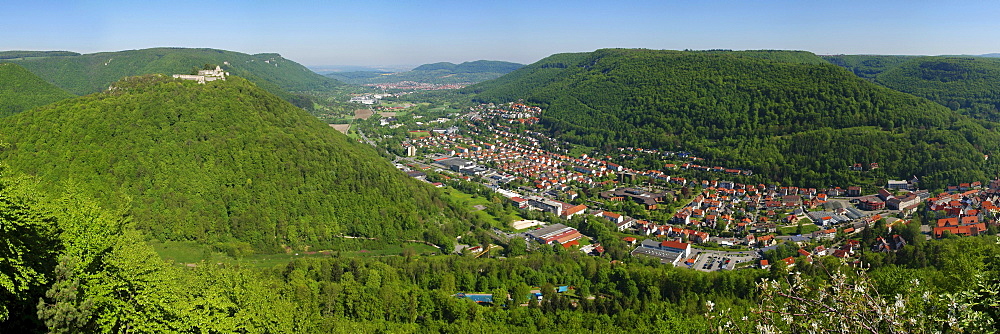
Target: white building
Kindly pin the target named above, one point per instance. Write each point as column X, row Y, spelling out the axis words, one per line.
column 204, row 76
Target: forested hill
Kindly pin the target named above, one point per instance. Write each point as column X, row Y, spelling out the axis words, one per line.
column 867, row 66
column 21, row 90
column 801, row 124
column 91, row 73
column 436, row 73
column 478, row 66
column 969, row 85
column 224, row 162
column 33, row 54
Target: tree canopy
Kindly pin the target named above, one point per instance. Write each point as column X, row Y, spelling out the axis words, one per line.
column 21, row 90
column 222, row 162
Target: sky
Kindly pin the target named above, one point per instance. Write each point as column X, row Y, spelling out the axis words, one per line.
column 400, row 32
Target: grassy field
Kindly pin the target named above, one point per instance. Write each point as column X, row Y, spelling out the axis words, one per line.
column 806, row 229
column 578, row 150
column 470, row 201
column 419, row 134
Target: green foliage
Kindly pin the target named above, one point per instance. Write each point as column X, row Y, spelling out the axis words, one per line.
column 867, row 66
column 91, row 73
column 794, row 123
column 28, row 245
column 21, row 90
column 419, row 293
column 785, row 56
column 220, row 163
column 109, row 280
column 436, row 73
column 968, row 85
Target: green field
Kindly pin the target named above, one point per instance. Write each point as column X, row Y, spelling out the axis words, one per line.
column 806, row 229
column 467, row 200
column 579, row 150
column 419, row 134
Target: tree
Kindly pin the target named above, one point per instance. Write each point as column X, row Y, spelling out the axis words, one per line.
column 65, row 308
column 517, row 247
column 519, row 294
column 28, row 247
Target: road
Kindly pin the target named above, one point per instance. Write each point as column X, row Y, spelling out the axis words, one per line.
column 364, row 138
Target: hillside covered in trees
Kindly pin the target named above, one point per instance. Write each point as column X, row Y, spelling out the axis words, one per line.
column 969, row 85
column 91, row 73
column 224, row 163
column 21, row 90
column 35, row 54
column 795, row 121
column 436, row 73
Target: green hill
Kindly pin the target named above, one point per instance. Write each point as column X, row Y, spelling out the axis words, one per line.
column 800, row 124
column 21, row 90
column 91, row 73
column 436, row 73
column 223, row 162
column 969, row 85
column 34, row 54
column 867, row 66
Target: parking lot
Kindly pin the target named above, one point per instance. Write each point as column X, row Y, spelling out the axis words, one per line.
column 708, row 260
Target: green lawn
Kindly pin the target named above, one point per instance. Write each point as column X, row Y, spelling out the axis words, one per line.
column 469, row 201
column 806, row 229
column 578, row 150
column 419, row 134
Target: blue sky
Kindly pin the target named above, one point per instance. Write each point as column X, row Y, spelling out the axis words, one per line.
column 416, row 32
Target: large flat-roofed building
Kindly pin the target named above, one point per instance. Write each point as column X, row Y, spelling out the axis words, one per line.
column 545, row 204
column 667, row 251
column 555, row 233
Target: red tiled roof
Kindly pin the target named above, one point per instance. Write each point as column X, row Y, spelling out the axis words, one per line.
column 674, row 244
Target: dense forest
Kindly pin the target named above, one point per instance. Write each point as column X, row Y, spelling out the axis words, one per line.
column 795, row 121
column 224, row 163
column 867, row 66
column 91, row 73
column 436, row 73
column 969, row 85
column 21, row 90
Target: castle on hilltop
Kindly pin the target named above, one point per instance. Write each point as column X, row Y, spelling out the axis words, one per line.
column 205, row 75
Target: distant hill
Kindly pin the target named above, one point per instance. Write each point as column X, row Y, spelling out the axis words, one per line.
column 797, row 123
column 867, row 66
column 436, row 73
column 970, row 85
column 21, row 90
column 223, row 163
column 91, row 73
column 35, row 54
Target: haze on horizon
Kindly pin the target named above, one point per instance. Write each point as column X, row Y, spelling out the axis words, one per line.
column 379, row 32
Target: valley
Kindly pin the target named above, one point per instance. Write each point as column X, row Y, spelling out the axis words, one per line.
column 596, row 191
